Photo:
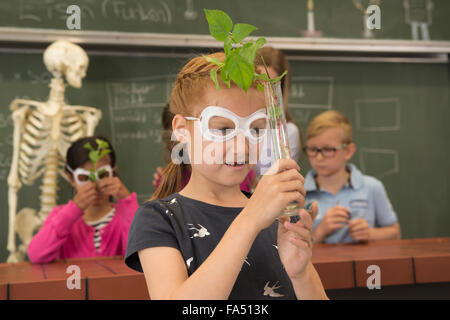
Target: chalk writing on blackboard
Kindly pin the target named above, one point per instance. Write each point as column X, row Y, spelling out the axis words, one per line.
column 153, row 134
column 135, row 107
column 39, row 78
column 380, row 114
column 6, row 141
column 310, row 95
column 136, row 116
column 152, row 11
column 5, row 120
column 34, row 10
column 311, row 92
column 300, row 115
column 5, row 163
column 379, row 162
column 131, row 10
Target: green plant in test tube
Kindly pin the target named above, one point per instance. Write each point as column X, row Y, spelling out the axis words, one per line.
column 239, row 67
column 95, row 155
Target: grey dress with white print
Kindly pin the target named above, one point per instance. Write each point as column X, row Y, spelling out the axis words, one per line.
column 195, row 228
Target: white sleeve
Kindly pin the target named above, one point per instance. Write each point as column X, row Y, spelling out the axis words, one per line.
column 294, row 140
column 266, row 157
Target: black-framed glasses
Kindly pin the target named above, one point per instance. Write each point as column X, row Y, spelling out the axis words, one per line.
column 327, row 152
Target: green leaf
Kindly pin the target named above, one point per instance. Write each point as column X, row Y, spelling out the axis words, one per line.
column 226, row 78
column 103, row 153
column 227, row 46
column 92, row 177
column 260, row 87
column 249, row 49
column 89, row 147
column 220, row 24
column 224, row 72
column 213, row 60
column 213, row 75
column 279, row 77
column 263, row 77
column 275, row 112
column 248, row 52
column 102, row 144
column 239, row 61
column 93, row 156
column 260, row 42
column 241, row 72
column 241, row 31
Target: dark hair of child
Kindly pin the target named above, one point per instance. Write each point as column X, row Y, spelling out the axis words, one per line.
column 77, row 155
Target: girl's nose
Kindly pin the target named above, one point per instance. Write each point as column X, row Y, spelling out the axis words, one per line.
column 241, row 142
column 238, row 147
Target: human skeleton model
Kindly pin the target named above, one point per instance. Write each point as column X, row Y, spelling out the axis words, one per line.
column 418, row 15
column 43, row 131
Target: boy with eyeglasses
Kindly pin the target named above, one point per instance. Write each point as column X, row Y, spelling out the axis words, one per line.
column 352, row 207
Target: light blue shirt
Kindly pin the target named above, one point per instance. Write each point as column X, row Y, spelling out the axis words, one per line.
column 363, row 195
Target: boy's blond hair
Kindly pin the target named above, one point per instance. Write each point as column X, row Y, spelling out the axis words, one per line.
column 327, row 120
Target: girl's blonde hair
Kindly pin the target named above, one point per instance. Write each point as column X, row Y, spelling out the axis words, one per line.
column 327, row 120
column 188, row 91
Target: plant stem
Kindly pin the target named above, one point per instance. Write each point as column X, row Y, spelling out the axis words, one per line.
column 265, row 66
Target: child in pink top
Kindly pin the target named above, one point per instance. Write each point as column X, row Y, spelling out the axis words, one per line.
column 89, row 225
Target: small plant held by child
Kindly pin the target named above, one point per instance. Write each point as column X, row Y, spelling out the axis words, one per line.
column 239, row 67
column 240, row 54
column 95, row 155
column 239, row 64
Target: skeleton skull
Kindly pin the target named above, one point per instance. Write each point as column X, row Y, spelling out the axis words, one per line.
column 64, row 58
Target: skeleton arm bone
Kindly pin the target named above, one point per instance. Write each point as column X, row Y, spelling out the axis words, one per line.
column 91, row 115
column 14, row 184
column 17, row 103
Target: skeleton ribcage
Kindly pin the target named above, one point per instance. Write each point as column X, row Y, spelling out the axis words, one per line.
column 34, row 146
column 73, row 127
column 38, row 150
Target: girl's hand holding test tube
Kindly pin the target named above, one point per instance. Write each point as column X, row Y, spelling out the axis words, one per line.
column 281, row 185
column 295, row 241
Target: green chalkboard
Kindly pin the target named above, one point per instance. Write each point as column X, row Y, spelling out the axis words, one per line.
column 399, row 112
column 281, row 18
column 130, row 91
column 399, row 115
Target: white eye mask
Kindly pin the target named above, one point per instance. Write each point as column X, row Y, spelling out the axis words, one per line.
column 219, row 124
column 81, row 175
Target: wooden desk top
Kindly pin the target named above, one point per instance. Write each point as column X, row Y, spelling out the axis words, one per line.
column 340, row 266
column 401, row 262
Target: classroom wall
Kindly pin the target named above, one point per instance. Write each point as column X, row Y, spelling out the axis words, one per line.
column 398, row 105
column 398, row 112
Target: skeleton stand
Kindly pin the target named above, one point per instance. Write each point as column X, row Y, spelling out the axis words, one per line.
column 43, row 131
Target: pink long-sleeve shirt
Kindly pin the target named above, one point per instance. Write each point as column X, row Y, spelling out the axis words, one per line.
column 64, row 233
